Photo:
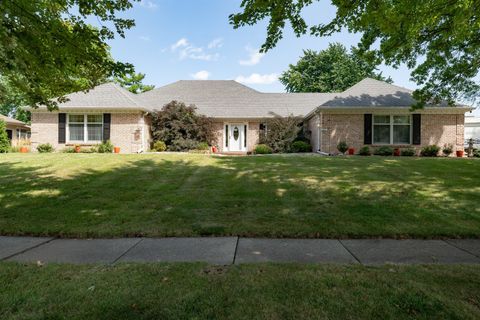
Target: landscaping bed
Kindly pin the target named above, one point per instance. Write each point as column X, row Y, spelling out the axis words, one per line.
column 108, row 195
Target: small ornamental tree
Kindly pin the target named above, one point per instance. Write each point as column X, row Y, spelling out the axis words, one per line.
column 181, row 128
column 281, row 133
column 4, row 142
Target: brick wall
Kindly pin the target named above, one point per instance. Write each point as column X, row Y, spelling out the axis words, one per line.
column 125, row 131
column 439, row 129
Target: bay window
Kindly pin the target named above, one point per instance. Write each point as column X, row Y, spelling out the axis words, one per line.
column 85, row 127
column 392, row 129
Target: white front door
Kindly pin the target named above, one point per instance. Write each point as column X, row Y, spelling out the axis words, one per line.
column 236, row 137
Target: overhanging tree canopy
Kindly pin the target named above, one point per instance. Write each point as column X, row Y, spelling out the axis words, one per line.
column 439, row 40
column 48, row 49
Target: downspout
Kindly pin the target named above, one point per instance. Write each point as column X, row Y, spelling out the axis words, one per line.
column 142, row 122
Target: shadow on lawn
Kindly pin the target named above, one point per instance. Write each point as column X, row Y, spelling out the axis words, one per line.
column 262, row 196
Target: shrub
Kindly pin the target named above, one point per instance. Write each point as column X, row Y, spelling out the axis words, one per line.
column 181, row 128
column 104, row 147
column 203, row 146
column 384, row 151
column 476, row 153
column 281, row 133
column 447, row 149
column 159, row 146
column 45, row 148
column 263, row 149
column 409, row 152
column 342, row 146
column 430, row 151
column 4, row 142
column 301, row 146
column 68, row 150
column 365, row 151
column 89, row 150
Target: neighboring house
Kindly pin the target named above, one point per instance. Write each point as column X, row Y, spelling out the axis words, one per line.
column 16, row 130
column 371, row 112
column 472, row 130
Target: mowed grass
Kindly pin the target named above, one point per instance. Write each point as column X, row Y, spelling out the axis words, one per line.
column 95, row 195
column 262, row 291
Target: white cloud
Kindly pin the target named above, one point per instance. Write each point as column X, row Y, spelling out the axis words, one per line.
column 144, row 38
column 189, row 51
column 201, row 75
column 254, row 57
column 256, row 78
column 148, row 4
column 215, row 43
column 180, row 43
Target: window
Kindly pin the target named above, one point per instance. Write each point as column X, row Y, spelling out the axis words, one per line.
column 23, row 134
column 391, row 129
column 85, row 128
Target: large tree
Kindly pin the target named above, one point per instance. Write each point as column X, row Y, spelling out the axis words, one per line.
column 331, row 70
column 439, row 40
column 47, row 48
column 134, row 83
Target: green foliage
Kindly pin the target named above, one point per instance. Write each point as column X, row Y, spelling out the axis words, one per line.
column 281, row 133
column 476, row 153
column 430, row 151
column 68, row 150
column 133, row 82
column 4, row 142
column 181, row 128
column 45, row 148
column 331, row 70
column 447, row 150
column 365, row 151
column 203, row 146
column 383, row 151
column 301, row 146
column 262, row 149
column 104, row 147
column 48, row 49
column 408, row 152
column 439, row 40
column 342, row 146
column 159, row 146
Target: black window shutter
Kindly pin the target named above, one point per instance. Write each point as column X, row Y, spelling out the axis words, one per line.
column 107, row 118
column 62, row 121
column 367, row 130
column 417, row 128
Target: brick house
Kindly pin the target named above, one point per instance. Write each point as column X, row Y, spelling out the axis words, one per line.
column 371, row 113
column 16, row 130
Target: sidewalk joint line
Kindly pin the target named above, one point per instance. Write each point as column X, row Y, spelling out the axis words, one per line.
column 459, row 248
column 127, row 251
column 29, row 248
column 235, row 252
column 348, row 250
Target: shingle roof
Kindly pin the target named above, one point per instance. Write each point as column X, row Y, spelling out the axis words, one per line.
column 230, row 99
column 374, row 93
column 105, row 96
column 9, row 120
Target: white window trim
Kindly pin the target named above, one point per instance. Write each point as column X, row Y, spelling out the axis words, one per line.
column 85, row 129
column 391, row 124
column 244, row 144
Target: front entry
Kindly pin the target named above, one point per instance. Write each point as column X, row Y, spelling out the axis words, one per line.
column 235, row 137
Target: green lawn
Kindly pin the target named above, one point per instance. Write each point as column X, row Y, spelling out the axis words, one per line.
column 95, row 195
column 264, row 291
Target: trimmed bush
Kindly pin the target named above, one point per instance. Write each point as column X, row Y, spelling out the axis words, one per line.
column 476, row 153
column 183, row 145
column 301, row 146
column 447, row 149
column 263, row 149
column 409, row 152
column 104, row 147
column 159, row 146
column 68, row 150
column 342, row 146
column 45, row 148
column 4, row 142
column 203, row 146
column 430, row 151
column 384, row 151
column 365, row 151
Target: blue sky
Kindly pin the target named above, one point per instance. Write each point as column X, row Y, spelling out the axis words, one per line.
column 192, row 39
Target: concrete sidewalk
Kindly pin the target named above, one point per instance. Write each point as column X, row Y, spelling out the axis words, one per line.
column 234, row 250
